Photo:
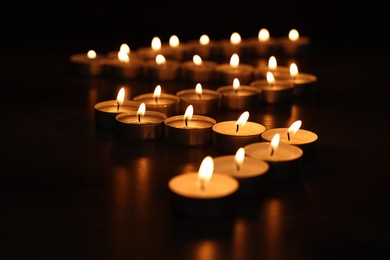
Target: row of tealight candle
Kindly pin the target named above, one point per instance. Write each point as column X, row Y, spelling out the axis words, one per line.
column 253, row 154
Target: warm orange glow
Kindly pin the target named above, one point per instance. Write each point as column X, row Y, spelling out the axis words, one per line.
column 156, row 43
column 204, row 39
column 274, row 143
column 263, row 35
column 242, row 119
column 270, row 78
column 157, row 92
column 294, row 127
column 125, row 48
column 198, row 89
column 240, row 155
column 91, row 54
column 293, row 70
column 234, row 60
column 160, row 59
column 205, row 171
column 141, row 109
column 197, row 60
column 123, row 57
column 236, row 84
column 293, row 35
column 121, row 96
column 174, row 41
column 189, row 112
column 235, row 38
column 272, row 63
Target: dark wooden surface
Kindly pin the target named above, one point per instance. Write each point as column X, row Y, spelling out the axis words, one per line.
column 69, row 190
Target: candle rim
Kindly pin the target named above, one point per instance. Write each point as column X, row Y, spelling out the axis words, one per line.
column 112, row 103
column 180, row 118
column 254, row 146
column 261, row 128
column 264, row 166
column 173, row 98
column 155, row 114
column 271, row 132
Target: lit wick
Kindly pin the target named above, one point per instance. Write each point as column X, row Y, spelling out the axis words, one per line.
column 274, row 143
column 198, row 90
column 120, row 97
column 157, row 93
column 270, row 78
column 141, row 111
column 237, row 166
column 202, row 185
column 288, row 136
column 237, row 127
column 186, row 121
column 117, row 107
column 188, row 114
column 139, row 118
column 236, row 85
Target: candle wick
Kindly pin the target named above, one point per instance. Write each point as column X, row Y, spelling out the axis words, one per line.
column 236, row 91
column 237, row 166
column 117, row 107
column 186, row 121
column 288, row 136
column 139, row 118
column 200, row 96
column 237, row 127
column 156, row 99
column 272, row 151
column 202, row 186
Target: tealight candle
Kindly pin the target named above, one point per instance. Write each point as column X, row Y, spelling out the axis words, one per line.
column 162, row 69
column 205, row 47
column 106, row 111
column 124, row 48
column 189, row 129
column 228, row 136
column 251, row 173
column 175, row 50
column 264, row 44
column 89, row 64
column 284, row 159
column 295, row 44
column 124, row 66
column 140, row 125
column 235, row 44
column 198, row 70
column 273, row 92
column 304, row 139
column 239, row 97
column 204, row 101
column 225, row 73
column 161, row 102
column 261, row 70
column 150, row 53
column 203, row 194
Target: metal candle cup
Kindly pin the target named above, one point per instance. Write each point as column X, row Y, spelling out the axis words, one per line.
column 244, row 98
column 105, row 112
column 304, row 83
column 167, row 104
column 304, row 139
column 168, row 71
column 197, row 132
column 148, row 127
column 191, row 201
column 204, row 72
column 227, row 139
column 251, row 174
column 285, row 163
column 278, row 93
column 126, row 70
column 208, row 103
column 225, row 73
column 88, row 67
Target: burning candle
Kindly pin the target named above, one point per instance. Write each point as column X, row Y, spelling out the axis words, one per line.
column 165, row 103
column 228, row 136
column 235, row 44
column 106, row 111
column 261, row 70
column 205, row 47
column 162, row 69
column 273, row 92
column 225, row 73
column 250, row 173
column 198, row 70
column 304, row 139
column 149, row 53
column 140, row 125
column 124, row 66
column 89, row 64
column 239, row 97
column 175, row 50
column 295, row 44
column 264, row 44
column 203, row 194
column 204, row 101
column 284, row 159
column 189, row 129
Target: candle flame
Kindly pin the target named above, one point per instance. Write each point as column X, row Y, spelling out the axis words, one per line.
column 293, row 35
column 205, row 171
column 121, row 96
column 239, row 157
column 174, row 41
column 272, row 63
column 270, row 78
column 160, row 59
column 294, row 127
column 263, row 35
column 293, row 70
column 125, row 48
column 235, row 38
column 189, row 112
column 242, row 119
column 274, row 143
column 157, row 92
column 156, row 43
column 197, row 60
column 198, row 89
column 91, row 54
column 234, row 60
column 204, row 39
column 236, row 84
column 123, row 57
column 141, row 109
